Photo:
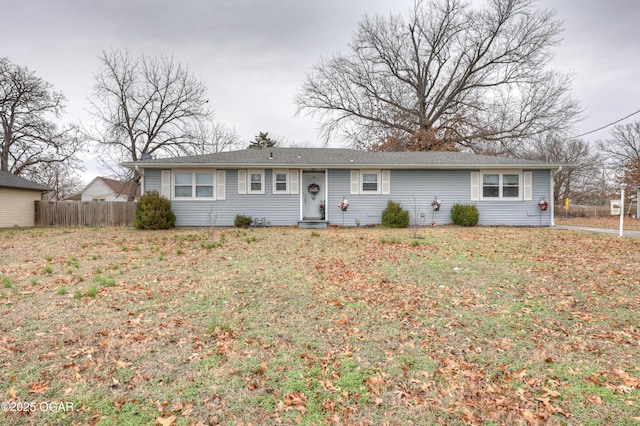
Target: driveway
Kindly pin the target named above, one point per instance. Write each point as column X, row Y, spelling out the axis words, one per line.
column 629, row 234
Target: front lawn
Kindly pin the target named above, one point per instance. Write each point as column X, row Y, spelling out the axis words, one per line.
column 339, row 326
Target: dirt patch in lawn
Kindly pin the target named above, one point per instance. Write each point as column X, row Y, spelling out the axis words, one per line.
column 338, row 326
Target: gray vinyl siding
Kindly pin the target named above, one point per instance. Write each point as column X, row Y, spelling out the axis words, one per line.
column 277, row 209
column 415, row 190
column 519, row 213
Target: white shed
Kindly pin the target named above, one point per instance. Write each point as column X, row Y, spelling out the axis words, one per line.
column 17, row 196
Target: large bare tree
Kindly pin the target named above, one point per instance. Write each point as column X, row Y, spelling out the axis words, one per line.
column 30, row 140
column 444, row 77
column 146, row 105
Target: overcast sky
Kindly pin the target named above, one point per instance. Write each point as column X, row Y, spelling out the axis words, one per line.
column 253, row 54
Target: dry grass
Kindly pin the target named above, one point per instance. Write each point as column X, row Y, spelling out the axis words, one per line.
column 343, row 326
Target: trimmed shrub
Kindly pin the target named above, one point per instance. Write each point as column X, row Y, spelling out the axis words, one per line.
column 394, row 216
column 242, row 221
column 464, row 214
column 154, row 212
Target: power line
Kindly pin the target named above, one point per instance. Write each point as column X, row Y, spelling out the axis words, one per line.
column 606, row 125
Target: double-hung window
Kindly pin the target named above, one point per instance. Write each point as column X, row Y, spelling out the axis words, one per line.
column 498, row 185
column 256, row 182
column 204, row 185
column 193, row 185
column 370, row 182
column 251, row 181
column 281, row 181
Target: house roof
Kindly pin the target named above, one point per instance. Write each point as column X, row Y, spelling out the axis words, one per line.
column 342, row 158
column 115, row 186
column 118, row 187
column 9, row 180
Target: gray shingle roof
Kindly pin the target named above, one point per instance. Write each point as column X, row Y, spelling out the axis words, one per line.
column 9, row 180
column 341, row 158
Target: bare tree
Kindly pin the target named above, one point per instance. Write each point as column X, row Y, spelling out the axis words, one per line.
column 30, row 140
column 146, row 106
column 448, row 73
column 581, row 177
column 623, row 152
column 62, row 178
column 212, row 136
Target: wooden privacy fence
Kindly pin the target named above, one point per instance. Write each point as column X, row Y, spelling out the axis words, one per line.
column 84, row 213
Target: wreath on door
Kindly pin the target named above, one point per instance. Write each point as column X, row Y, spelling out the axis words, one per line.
column 313, row 189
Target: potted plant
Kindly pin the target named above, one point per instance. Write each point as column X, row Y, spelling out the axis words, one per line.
column 344, row 205
column 436, row 205
column 321, row 207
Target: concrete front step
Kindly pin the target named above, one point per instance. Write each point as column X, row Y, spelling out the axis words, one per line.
column 313, row 224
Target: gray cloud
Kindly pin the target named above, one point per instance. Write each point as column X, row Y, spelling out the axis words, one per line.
column 253, row 54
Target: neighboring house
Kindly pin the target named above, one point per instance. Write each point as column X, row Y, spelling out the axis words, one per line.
column 105, row 189
column 286, row 186
column 17, row 196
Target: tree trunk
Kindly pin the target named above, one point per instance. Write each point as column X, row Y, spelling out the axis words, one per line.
column 134, row 185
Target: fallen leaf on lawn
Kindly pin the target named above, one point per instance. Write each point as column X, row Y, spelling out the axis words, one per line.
column 188, row 409
column 120, row 364
column 374, row 384
column 39, row 387
column 626, row 378
column 594, row 399
column 12, row 392
column 166, row 421
column 549, row 392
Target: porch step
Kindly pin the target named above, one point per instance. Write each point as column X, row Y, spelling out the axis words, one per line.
column 313, row 224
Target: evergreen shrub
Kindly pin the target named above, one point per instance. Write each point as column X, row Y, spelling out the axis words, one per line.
column 465, row 214
column 394, row 216
column 154, row 212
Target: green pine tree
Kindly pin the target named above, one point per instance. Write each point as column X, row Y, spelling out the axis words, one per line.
column 262, row 140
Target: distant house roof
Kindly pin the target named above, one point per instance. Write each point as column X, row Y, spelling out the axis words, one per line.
column 341, row 158
column 9, row 180
column 118, row 187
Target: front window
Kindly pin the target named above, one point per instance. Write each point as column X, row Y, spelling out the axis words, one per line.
column 204, row 185
column 281, row 181
column 370, row 182
column 183, row 185
column 510, row 186
column 193, row 185
column 491, row 186
column 256, row 181
column 501, row 185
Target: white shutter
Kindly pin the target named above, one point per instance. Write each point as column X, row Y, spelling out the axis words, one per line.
column 165, row 184
column 475, row 186
column 221, row 185
column 355, row 181
column 386, row 182
column 242, row 181
column 527, row 185
column 294, row 182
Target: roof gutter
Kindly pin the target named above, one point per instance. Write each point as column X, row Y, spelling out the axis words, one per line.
column 141, row 166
